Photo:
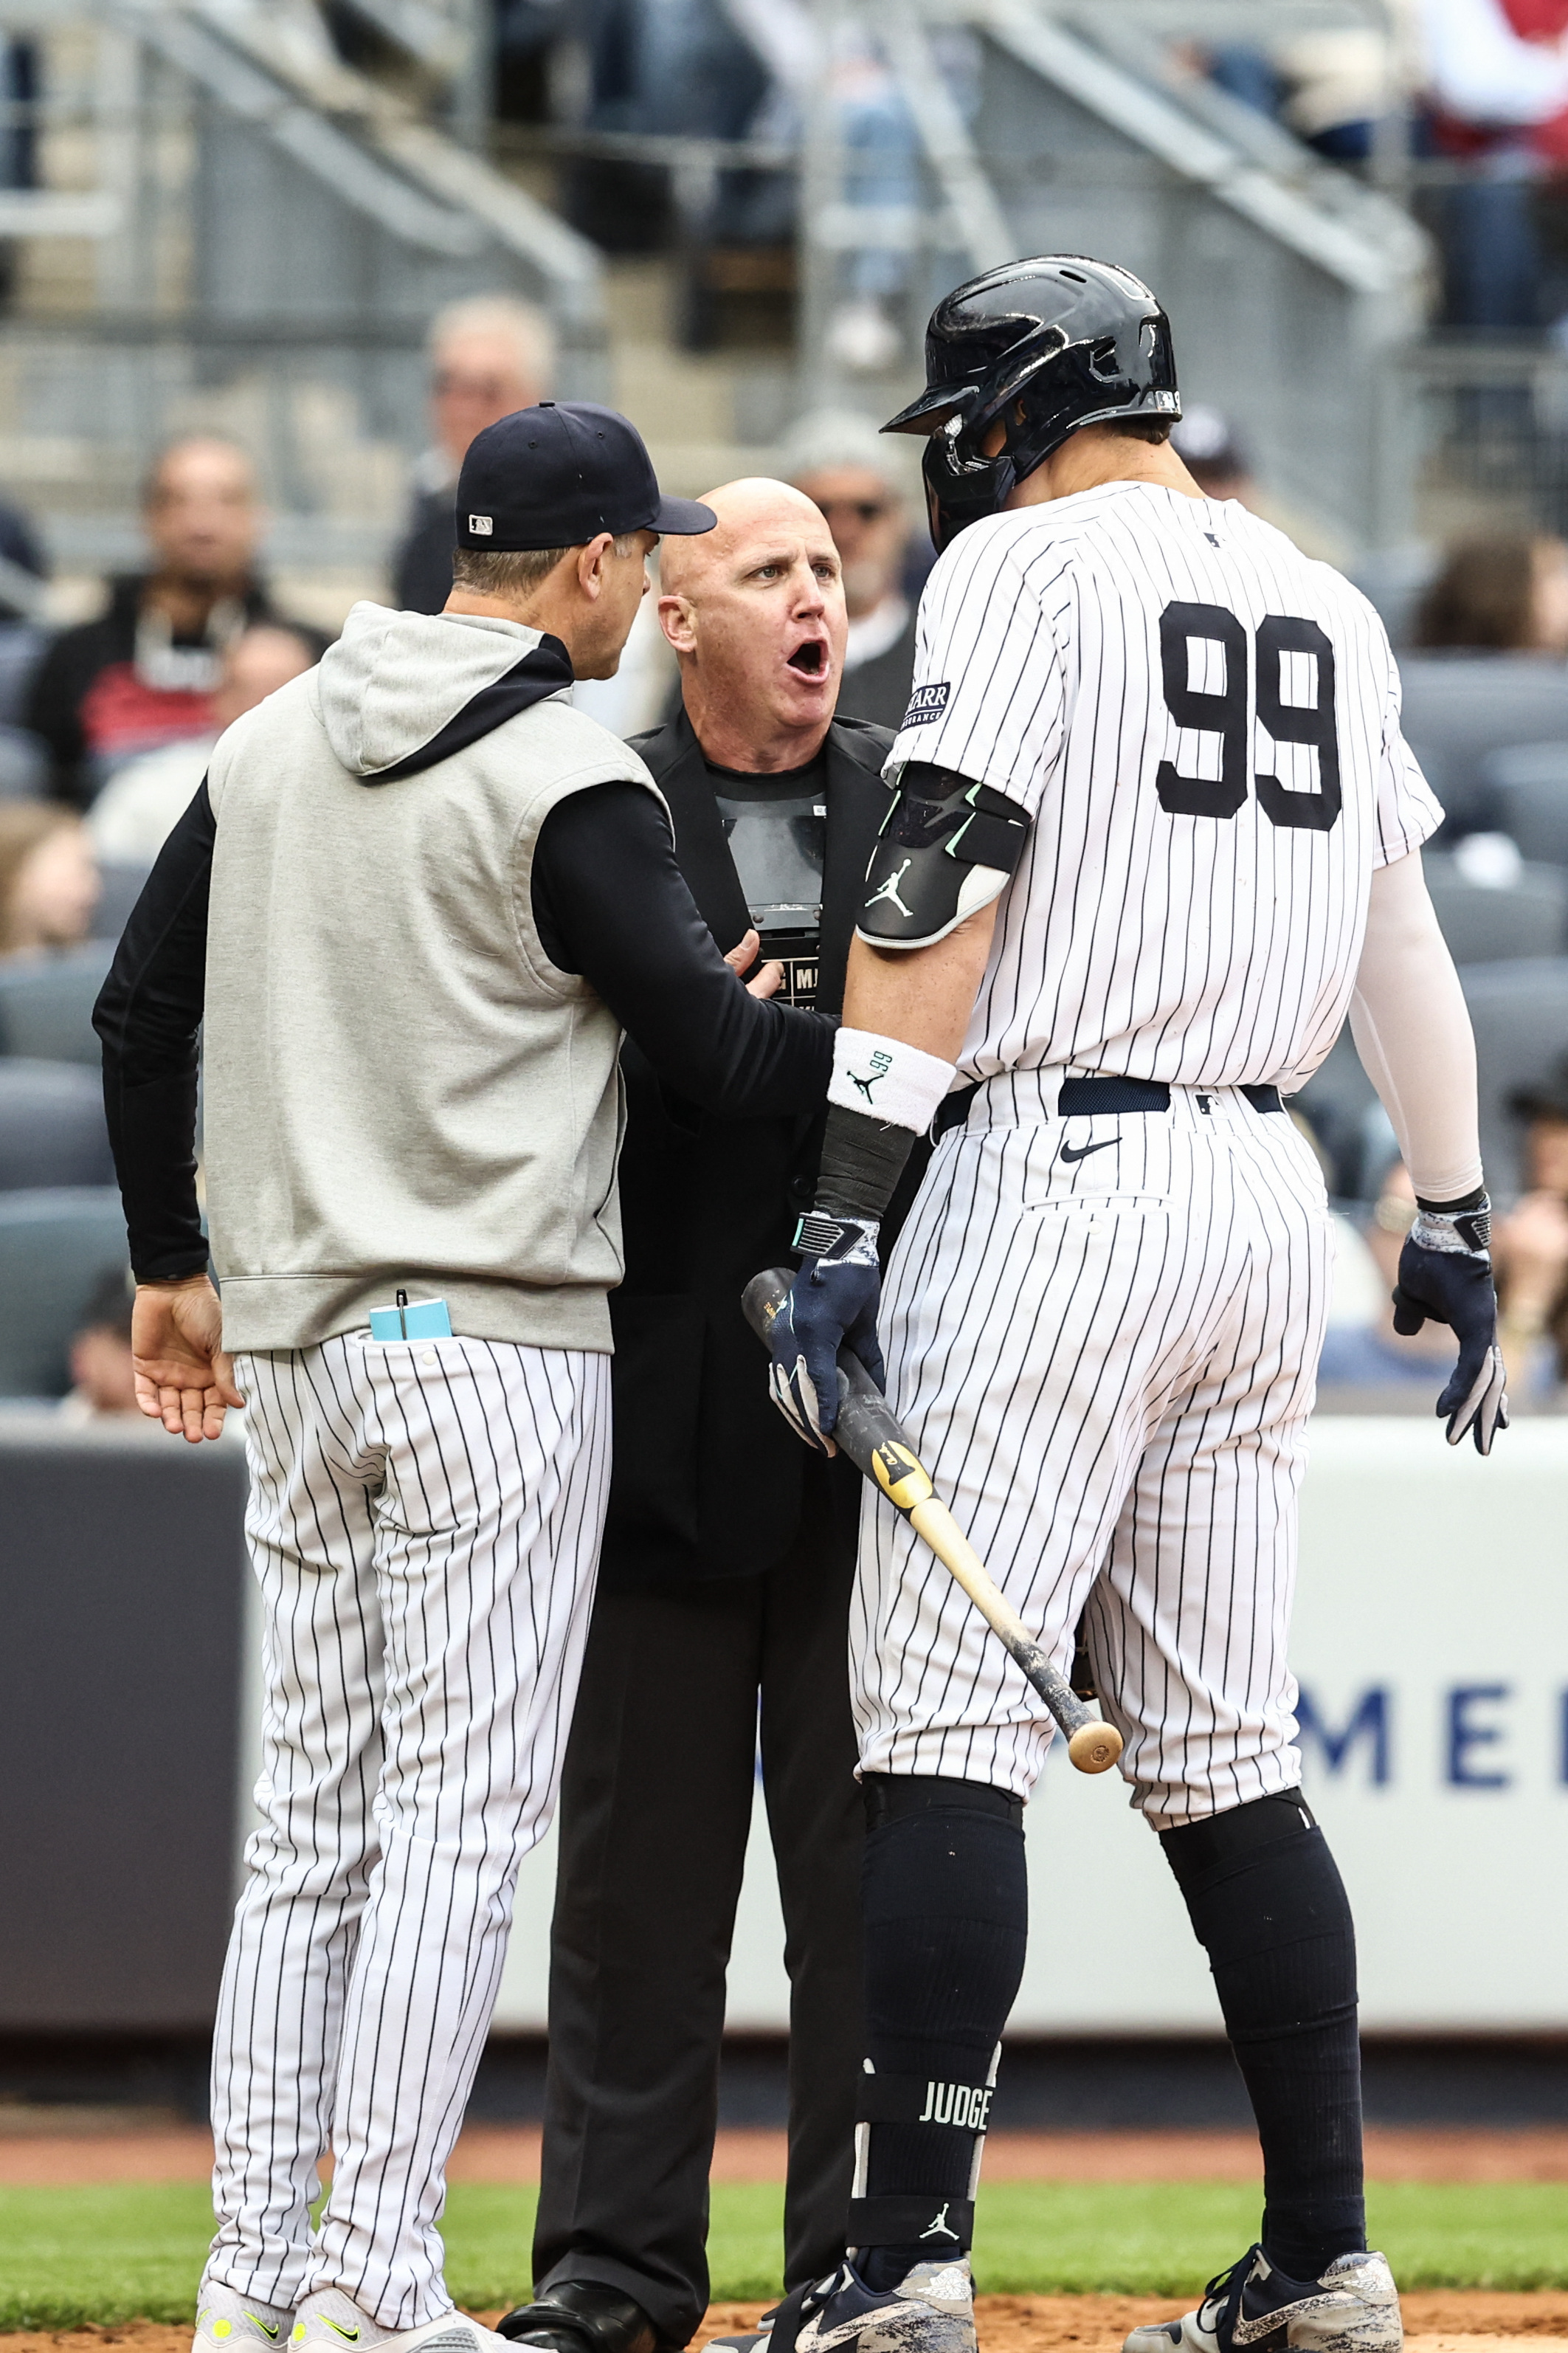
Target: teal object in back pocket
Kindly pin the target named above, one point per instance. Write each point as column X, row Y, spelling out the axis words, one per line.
column 421, row 1319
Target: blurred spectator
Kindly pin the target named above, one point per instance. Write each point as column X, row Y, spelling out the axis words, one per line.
column 1341, row 83
column 487, row 357
column 132, row 815
column 1496, row 74
column 852, row 476
column 1498, row 592
column 103, row 1377
column 1531, row 1243
column 143, row 674
column 1332, row 87
column 881, row 174
column 48, row 878
column 1212, row 453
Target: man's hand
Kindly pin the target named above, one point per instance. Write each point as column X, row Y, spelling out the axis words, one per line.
column 184, row 1379
column 1445, row 1273
column 833, row 1298
column 764, row 982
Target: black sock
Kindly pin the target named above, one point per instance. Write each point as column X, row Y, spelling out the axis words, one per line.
column 1267, row 1902
column 946, row 1912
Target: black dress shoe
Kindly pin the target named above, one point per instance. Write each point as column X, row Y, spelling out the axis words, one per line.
column 582, row 2317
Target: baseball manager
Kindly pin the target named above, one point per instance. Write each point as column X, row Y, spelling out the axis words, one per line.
column 415, row 904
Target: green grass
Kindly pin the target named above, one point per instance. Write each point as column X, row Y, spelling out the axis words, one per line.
column 135, row 2250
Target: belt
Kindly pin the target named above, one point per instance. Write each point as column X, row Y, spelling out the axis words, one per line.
column 1078, row 1098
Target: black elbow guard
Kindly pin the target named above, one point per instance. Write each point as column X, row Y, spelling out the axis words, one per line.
column 946, row 847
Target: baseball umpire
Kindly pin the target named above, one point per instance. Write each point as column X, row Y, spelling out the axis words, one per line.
column 1155, row 832
column 729, row 1556
column 413, row 904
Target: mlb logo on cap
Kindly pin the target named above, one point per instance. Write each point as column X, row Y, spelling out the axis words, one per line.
column 482, row 527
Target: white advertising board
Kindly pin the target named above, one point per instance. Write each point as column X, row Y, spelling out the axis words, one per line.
column 1432, row 1648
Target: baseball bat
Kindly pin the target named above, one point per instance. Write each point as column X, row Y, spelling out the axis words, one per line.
column 868, row 1431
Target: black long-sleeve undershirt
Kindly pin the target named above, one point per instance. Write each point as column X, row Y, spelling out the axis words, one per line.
column 609, row 902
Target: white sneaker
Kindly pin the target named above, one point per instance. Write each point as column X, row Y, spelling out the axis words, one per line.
column 329, row 2320
column 227, row 2321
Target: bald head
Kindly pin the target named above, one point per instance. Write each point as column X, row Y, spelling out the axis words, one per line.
column 749, row 511
column 754, row 610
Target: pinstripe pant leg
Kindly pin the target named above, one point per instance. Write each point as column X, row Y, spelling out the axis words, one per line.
column 1188, row 1627
column 1091, row 1351
column 496, row 1462
column 311, row 1537
column 1031, row 1338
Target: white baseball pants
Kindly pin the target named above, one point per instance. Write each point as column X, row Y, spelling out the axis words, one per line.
column 1103, row 1335
column 424, row 1521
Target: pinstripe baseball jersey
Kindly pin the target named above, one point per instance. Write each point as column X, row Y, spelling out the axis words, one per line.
column 1203, row 726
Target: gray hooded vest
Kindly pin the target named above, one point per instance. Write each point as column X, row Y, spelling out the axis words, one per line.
column 400, row 1088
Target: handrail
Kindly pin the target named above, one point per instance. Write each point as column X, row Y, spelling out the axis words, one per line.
column 369, row 149
column 1156, row 122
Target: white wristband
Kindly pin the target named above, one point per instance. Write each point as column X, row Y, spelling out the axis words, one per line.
column 888, row 1080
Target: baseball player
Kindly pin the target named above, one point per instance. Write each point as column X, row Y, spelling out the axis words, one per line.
column 411, row 908
column 1154, row 832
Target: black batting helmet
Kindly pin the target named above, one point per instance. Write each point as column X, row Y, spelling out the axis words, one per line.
column 1041, row 347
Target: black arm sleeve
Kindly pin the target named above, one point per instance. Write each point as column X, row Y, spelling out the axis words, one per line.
column 611, row 903
column 147, row 1014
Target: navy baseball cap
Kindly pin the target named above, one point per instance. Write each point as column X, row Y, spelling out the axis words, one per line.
column 558, row 474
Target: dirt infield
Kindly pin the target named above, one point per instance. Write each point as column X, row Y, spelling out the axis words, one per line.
column 1473, row 2321
column 93, row 2149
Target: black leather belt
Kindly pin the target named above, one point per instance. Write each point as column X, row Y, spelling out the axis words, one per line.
column 1078, row 1098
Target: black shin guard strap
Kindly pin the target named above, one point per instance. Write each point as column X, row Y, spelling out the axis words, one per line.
column 934, row 2227
column 1267, row 1902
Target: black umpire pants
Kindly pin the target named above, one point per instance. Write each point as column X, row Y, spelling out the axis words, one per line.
column 656, row 1806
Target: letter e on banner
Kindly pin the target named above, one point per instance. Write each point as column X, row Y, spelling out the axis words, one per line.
column 1466, row 1734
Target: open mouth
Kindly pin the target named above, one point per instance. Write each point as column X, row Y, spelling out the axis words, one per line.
column 810, row 660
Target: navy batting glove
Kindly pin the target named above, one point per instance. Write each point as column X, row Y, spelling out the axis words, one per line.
column 833, row 1299
column 1445, row 1274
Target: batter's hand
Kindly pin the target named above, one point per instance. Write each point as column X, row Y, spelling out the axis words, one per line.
column 833, row 1298
column 1454, row 1286
column 183, row 1377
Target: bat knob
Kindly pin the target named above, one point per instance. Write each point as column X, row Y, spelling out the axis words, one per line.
column 1095, row 1747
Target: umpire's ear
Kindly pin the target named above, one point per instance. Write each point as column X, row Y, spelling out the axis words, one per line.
column 678, row 622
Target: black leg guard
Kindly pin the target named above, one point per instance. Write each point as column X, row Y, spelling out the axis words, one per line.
column 1267, row 1902
column 946, row 1912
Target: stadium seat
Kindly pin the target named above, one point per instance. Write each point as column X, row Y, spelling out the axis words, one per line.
column 1528, row 788
column 1461, row 707
column 122, row 886
column 45, row 1006
column 1482, row 925
column 52, row 1129
column 56, row 1243
column 1520, row 1010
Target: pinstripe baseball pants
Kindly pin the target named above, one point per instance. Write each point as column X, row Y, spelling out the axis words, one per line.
column 424, row 1521
column 1102, row 1333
